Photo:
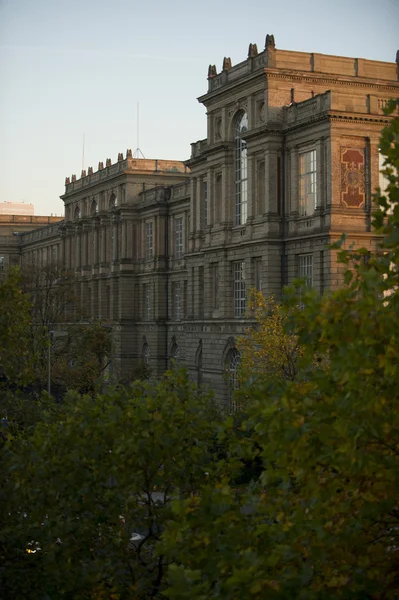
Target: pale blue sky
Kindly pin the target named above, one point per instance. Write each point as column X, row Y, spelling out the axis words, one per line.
column 73, row 67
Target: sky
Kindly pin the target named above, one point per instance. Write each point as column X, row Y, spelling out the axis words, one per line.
column 74, row 69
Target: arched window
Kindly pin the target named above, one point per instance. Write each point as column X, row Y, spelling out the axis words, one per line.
column 93, row 208
column 241, row 170
column 233, row 362
column 112, row 200
column 76, row 214
column 146, row 354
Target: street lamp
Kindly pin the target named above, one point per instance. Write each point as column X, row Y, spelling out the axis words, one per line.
column 53, row 334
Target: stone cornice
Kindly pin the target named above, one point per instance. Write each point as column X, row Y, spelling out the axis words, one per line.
column 324, row 78
column 379, row 120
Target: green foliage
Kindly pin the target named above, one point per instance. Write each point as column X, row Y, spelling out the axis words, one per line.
column 15, row 356
column 322, row 521
column 127, row 452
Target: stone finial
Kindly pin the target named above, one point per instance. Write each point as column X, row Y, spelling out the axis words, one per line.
column 90, row 171
column 100, row 166
column 108, row 162
column 67, row 180
column 397, row 57
column 270, row 43
column 212, row 71
column 252, row 50
column 73, row 178
column 83, row 173
column 120, row 156
column 226, row 63
column 128, row 153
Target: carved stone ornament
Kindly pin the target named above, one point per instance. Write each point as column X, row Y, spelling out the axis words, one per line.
column 120, row 156
column 83, row 173
column 108, row 162
column 100, row 166
column 212, row 71
column 128, row 153
column 67, row 180
column 73, row 178
column 226, row 63
column 90, row 171
column 397, row 57
column 270, row 43
column 252, row 50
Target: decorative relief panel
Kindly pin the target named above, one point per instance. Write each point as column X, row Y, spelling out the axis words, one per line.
column 352, row 177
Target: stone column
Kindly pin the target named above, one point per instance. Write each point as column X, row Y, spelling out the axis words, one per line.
column 225, row 200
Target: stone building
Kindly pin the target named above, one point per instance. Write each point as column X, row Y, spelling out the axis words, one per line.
column 166, row 251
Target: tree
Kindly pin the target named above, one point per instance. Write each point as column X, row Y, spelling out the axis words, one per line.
column 125, row 453
column 267, row 350
column 322, row 521
column 15, row 357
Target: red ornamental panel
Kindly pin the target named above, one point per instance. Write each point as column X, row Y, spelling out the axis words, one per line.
column 352, row 177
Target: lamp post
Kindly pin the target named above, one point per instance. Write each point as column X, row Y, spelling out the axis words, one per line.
column 53, row 334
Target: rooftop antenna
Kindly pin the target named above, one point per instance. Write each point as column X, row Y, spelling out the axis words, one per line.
column 138, row 153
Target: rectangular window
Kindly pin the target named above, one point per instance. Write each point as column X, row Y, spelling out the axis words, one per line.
column 306, row 268
column 176, row 300
column 215, row 285
column 201, row 291
column 258, row 274
column 179, row 237
column 239, row 288
column 185, row 299
column 147, row 302
column 205, row 202
column 149, row 248
column 307, row 183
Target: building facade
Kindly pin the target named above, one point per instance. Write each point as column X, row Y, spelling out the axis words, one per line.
column 16, row 208
column 167, row 251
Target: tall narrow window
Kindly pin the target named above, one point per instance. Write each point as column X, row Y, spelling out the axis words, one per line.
column 241, row 170
column 215, row 285
column 176, row 300
column 306, row 268
column 185, row 299
column 179, row 237
column 239, row 288
column 258, row 274
column 205, row 202
column 147, row 302
column 149, row 249
column 233, row 363
column 1, row 263
column 307, row 183
column 201, row 291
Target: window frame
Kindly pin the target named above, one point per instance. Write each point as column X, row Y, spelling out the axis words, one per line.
column 179, row 236
column 308, row 200
column 205, row 202
column 147, row 302
column 239, row 295
column 149, row 240
column 176, row 291
column 241, row 169
column 305, row 263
